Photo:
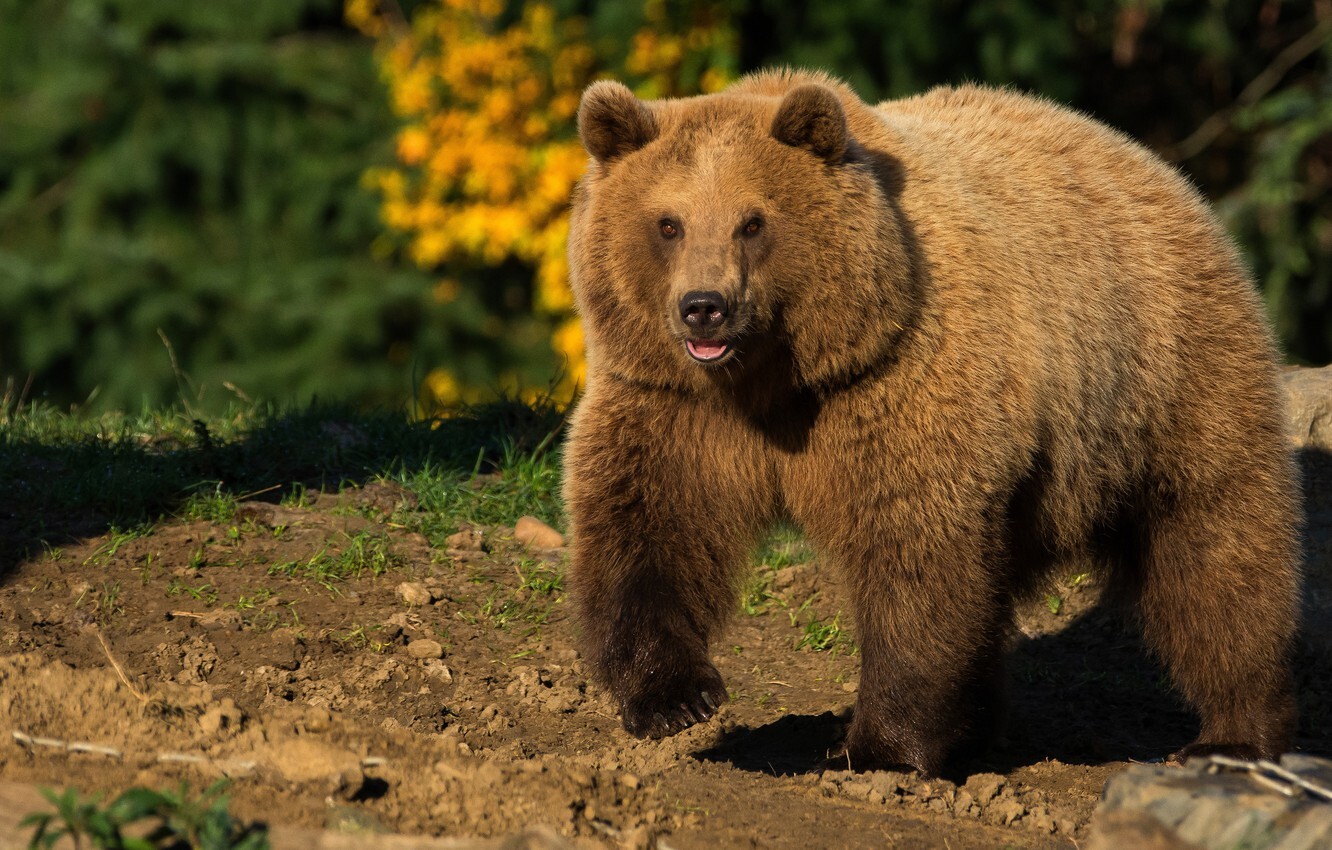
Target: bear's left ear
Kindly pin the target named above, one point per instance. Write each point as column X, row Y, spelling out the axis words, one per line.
column 811, row 117
column 612, row 122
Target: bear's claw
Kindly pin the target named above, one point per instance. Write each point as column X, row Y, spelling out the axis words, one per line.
column 658, row 715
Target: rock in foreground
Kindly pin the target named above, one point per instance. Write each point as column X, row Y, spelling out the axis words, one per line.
column 1218, row 804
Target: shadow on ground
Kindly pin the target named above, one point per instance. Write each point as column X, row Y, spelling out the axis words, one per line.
column 1091, row 693
column 55, row 490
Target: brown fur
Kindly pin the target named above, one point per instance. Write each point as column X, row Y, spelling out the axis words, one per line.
column 977, row 336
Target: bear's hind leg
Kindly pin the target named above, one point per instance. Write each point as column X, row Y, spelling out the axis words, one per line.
column 932, row 649
column 1217, row 590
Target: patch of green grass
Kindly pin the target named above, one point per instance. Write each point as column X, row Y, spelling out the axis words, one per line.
column 363, row 637
column 349, row 557
column 819, row 634
column 297, row 497
column 103, row 600
column 757, row 594
column 153, row 819
column 539, row 591
column 216, row 505
column 63, row 472
column 783, row 546
column 204, row 593
column 496, row 492
column 150, row 567
column 116, row 540
column 540, row 578
column 253, row 599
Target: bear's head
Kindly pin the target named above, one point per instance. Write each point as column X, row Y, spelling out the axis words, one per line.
column 712, row 235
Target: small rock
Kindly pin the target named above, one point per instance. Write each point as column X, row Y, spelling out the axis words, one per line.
column 309, row 761
column 857, row 790
column 317, row 718
column 1039, row 819
column 351, row 820
column 1309, row 406
column 535, row 534
column 1139, row 830
column 984, row 786
column 470, row 539
column 415, row 593
column 639, row 838
column 850, row 687
column 629, row 781
column 1005, row 811
column 887, row 782
column 425, row 648
column 226, row 715
column 963, row 802
column 439, row 670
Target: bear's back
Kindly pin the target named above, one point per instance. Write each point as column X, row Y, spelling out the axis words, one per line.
column 1090, row 268
column 1080, row 231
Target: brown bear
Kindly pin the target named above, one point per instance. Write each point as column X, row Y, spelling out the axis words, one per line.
column 960, row 339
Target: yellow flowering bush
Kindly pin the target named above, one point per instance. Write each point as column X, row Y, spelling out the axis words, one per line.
column 488, row 153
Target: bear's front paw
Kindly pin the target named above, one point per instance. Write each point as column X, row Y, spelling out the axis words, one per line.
column 672, row 703
column 872, row 747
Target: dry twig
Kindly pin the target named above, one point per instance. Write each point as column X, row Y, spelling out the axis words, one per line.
column 120, row 671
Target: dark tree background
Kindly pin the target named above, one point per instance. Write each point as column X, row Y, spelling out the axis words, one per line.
column 189, row 174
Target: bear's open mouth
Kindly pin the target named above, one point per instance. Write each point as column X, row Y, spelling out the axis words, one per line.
column 707, row 350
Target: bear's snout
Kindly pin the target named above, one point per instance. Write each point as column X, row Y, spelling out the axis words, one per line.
column 703, row 311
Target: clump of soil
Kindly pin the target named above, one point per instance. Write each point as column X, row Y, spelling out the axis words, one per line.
column 345, row 673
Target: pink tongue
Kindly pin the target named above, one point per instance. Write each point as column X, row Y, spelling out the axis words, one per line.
column 707, row 349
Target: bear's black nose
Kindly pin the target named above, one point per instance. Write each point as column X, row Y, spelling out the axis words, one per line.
column 703, row 311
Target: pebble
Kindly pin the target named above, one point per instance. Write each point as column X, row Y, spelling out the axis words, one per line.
column 467, row 540
column 439, row 670
column 984, row 786
column 224, row 715
column 535, row 534
column 1005, row 811
column 415, row 593
column 425, row 648
column 317, row 718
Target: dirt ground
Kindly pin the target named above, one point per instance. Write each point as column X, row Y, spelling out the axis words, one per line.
column 440, row 693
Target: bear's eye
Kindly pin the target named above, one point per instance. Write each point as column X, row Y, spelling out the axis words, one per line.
column 753, row 226
column 669, row 229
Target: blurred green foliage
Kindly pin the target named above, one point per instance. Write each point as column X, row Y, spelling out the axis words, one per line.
column 190, row 172
column 194, row 169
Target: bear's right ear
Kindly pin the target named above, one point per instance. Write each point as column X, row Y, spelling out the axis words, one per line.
column 612, row 122
column 811, row 117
